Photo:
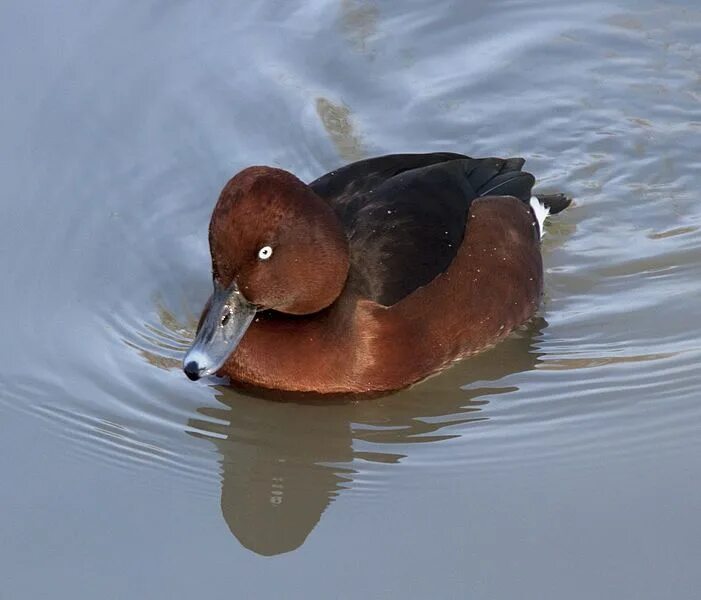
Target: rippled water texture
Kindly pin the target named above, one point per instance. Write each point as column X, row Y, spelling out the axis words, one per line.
column 562, row 464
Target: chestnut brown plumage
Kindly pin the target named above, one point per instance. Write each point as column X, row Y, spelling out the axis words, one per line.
column 382, row 273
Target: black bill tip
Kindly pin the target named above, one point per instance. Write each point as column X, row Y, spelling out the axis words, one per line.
column 192, row 370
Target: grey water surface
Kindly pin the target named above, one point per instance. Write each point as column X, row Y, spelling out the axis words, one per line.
column 564, row 463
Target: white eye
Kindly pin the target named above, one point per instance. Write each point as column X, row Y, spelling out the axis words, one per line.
column 265, row 253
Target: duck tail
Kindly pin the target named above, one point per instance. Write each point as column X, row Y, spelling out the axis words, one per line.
column 555, row 203
column 544, row 205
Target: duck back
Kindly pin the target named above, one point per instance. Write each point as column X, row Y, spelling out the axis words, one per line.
column 405, row 215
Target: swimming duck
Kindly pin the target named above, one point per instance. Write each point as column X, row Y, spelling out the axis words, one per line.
column 372, row 277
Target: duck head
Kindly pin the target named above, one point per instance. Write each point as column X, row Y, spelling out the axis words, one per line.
column 275, row 245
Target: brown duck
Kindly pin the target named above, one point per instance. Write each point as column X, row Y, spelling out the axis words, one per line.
column 372, row 277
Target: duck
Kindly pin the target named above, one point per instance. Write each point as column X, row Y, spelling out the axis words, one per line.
column 371, row 278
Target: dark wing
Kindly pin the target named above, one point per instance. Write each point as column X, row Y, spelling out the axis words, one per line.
column 405, row 214
column 352, row 180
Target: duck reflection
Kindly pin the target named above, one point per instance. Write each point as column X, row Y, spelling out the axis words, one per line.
column 284, row 463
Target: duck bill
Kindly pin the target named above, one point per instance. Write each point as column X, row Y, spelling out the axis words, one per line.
column 221, row 329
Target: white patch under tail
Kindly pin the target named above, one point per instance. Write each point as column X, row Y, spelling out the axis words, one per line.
column 541, row 213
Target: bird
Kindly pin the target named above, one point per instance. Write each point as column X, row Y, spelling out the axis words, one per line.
column 371, row 278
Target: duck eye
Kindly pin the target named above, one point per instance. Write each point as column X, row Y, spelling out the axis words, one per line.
column 265, row 253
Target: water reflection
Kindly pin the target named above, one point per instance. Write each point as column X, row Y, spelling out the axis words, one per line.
column 337, row 120
column 284, row 463
column 359, row 22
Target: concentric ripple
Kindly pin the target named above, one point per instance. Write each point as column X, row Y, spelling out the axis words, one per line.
column 122, row 150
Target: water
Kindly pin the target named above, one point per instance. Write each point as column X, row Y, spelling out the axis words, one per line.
column 562, row 464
